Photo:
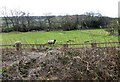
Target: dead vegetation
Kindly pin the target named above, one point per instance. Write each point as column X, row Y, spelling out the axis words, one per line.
column 56, row 64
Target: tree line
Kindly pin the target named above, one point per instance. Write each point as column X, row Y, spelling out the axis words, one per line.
column 23, row 22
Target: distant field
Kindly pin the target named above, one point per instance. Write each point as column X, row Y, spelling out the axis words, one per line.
column 78, row 36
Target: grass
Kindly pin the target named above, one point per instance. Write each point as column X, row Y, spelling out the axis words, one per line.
column 77, row 36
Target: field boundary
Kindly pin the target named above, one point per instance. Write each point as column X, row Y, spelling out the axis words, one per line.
column 92, row 45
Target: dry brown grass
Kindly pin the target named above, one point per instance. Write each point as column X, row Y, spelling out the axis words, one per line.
column 58, row 64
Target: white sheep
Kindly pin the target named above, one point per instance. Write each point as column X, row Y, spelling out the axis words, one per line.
column 51, row 41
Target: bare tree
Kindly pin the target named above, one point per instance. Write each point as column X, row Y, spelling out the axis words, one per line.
column 16, row 19
column 113, row 27
column 48, row 20
column 5, row 18
column 68, row 23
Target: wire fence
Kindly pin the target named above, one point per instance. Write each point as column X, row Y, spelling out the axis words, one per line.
column 39, row 46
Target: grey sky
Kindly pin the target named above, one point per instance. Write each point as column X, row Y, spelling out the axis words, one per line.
column 61, row 7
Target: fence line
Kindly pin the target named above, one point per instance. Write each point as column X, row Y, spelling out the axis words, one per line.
column 93, row 45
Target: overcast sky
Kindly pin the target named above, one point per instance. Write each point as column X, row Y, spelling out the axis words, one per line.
column 62, row 7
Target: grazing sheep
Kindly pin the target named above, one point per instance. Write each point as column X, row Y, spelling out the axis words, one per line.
column 51, row 41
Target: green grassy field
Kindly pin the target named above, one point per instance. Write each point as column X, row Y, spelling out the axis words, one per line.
column 78, row 36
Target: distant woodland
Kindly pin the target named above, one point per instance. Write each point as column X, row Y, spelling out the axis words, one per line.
column 23, row 22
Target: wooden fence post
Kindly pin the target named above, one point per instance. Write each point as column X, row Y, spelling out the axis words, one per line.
column 65, row 45
column 93, row 45
column 18, row 46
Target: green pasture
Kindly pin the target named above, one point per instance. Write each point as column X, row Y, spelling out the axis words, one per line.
column 41, row 37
